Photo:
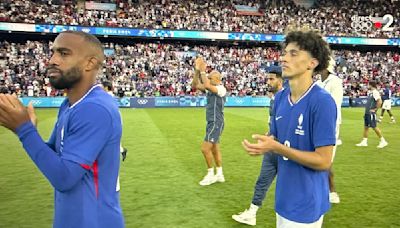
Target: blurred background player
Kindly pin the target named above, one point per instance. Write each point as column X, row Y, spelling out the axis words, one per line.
column 108, row 87
column 269, row 164
column 215, row 93
column 374, row 101
column 334, row 86
column 387, row 103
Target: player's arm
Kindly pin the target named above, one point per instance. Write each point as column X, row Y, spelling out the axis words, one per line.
column 52, row 140
column 87, row 134
column 61, row 173
column 378, row 104
column 320, row 159
column 337, row 93
column 199, row 66
column 32, row 115
column 199, row 82
column 206, row 83
column 324, row 125
column 195, row 78
column 220, row 90
column 378, row 100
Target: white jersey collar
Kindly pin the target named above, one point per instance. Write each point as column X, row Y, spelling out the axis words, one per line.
column 84, row 96
column 304, row 95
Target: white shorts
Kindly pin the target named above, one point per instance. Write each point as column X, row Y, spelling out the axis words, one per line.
column 387, row 104
column 281, row 222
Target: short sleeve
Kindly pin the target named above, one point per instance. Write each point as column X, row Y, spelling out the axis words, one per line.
column 376, row 95
column 324, row 121
column 221, row 90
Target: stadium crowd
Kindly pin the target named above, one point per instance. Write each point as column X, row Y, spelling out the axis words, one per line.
column 161, row 69
column 332, row 17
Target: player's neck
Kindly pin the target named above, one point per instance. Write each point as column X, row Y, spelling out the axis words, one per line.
column 324, row 77
column 279, row 88
column 298, row 86
column 78, row 91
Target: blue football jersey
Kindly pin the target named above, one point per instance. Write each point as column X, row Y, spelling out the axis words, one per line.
column 387, row 94
column 302, row 194
column 89, row 133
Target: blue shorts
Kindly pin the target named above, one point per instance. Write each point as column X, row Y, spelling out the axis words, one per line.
column 213, row 132
column 370, row 120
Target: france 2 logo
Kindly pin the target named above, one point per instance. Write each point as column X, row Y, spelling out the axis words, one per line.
column 367, row 23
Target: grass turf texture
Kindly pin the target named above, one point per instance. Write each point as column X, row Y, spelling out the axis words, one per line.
column 159, row 179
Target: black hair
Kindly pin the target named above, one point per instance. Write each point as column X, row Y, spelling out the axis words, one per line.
column 312, row 42
column 276, row 72
column 108, row 85
column 88, row 38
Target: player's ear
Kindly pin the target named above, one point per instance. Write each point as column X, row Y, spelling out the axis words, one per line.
column 92, row 64
column 313, row 64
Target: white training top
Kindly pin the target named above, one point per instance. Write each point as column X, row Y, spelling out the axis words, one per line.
column 334, row 85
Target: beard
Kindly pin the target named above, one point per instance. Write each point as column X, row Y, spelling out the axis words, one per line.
column 272, row 89
column 67, row 79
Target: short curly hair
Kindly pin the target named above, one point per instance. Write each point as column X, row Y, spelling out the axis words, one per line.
column 312, row 42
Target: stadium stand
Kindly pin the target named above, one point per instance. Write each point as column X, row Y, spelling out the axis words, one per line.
column 164, row 69
column 332, row 17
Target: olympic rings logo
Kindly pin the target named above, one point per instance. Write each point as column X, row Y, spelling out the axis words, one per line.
column 36, row 102
column 142, row 101
column 239, row 101
column 361, row 23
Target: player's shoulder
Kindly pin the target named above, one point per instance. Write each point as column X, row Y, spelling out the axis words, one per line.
column 319, row 94
column 375, row 93
column 281, row 93
column 336, row 78
column 221, row 87
column 334, row 81
column 98, row 100
column 278, row 97
column 338, row 82
column 221, row 90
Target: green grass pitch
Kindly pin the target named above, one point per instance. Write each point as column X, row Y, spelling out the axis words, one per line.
column 159, row 179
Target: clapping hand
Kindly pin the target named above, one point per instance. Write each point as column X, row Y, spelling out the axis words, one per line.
column 13, row 114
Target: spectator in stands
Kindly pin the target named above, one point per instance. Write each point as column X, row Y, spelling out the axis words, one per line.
column 160, row 69
column 335, row 18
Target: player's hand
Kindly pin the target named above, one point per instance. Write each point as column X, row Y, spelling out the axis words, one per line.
column 200, row 65
column 264, row 144
column 12, row 113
